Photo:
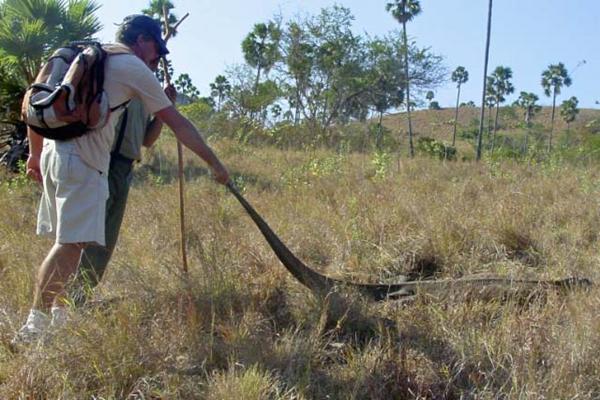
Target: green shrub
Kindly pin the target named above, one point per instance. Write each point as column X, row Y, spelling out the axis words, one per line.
column 435, row 148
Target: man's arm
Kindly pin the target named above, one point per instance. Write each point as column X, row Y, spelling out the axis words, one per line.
column 155, row 126
column 190, row 137
column 35, row 149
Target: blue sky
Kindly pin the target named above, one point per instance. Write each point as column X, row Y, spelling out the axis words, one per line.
column 527, row 35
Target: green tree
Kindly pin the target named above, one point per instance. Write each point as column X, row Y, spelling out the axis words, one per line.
column 528, row 102
column 569, row 111
column 485, row 68
column 261, row 49
column 324, row 68
column 553, row 79
column 386, row 80
column 157, row 9
column 404, row 11
column 460, row 76
column 490, row 102
column 430, row 95
column 500, row 86
column 186, row 88
column 433, row 105
column 298, row 57
column 330, row 75
column 29, row 31
column 219, row 89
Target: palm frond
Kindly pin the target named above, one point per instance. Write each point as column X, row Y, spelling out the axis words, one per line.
column 79, row 21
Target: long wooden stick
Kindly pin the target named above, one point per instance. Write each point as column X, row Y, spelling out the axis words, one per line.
column 168, row 34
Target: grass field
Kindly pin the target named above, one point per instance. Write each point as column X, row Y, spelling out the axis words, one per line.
column 240, row 327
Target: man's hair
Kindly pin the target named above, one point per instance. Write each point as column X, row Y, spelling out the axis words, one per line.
column 128, row 33
column 129, row 36
column 138, row 24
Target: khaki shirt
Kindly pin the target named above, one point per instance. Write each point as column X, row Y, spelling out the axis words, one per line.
column 138, row 120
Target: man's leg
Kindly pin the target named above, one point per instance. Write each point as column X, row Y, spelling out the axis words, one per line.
column 94, row 258
column 49, row 297
column 56, row 270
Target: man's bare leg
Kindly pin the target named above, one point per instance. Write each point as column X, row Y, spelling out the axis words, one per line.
column 49, row 298
column 55, row 272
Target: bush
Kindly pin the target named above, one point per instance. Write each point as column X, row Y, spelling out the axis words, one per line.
column 435, row 148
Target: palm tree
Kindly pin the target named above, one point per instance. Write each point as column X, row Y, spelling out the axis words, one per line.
column 157, row 9
column 404, row 11
column 261, row 51
column 569, row 111
column 219, row 89
column 483, row 92
column 527, row 101
column 186, row 88
column 31, row 29
column 553, row 79
column 500, row 87
column 490, row 102
column 459, row 76
column 79, row 21
column 261, row 48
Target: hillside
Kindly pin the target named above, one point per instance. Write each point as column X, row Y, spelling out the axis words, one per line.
column 439, row 123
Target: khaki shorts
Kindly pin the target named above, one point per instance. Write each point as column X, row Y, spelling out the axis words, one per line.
column 73, row 204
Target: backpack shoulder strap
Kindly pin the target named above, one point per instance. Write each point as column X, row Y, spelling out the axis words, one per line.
column 116, row 48
column 121, row 133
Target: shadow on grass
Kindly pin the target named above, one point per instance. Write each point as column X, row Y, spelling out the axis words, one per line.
column 167, row 173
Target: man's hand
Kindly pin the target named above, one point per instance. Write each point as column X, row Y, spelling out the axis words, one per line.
column 171, row 93
column 33, row 168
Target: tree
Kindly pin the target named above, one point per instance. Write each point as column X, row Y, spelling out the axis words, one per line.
column 527, row 101
column 186, row 88
column 569, row 111
column 404, row 11
column 490, row 103
column 261, row 49
column 157, row 8
column 384, row 65
column 29, row 31
column 433, row 105
column 324, row 68
column 219, row 89
column 298, row 57
column 499, row 86
column 553, row 79
column 430, row 95
column 483, row 92
column 327, row 74
column 459, row 76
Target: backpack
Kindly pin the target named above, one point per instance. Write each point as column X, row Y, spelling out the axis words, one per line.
column 67, row 99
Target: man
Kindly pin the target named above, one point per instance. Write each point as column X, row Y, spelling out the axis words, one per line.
column 74, row 172
column 135, row 128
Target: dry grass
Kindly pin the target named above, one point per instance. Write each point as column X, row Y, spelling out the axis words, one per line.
column 241, row 327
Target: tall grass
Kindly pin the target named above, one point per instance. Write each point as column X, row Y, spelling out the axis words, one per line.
column 241, row 327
